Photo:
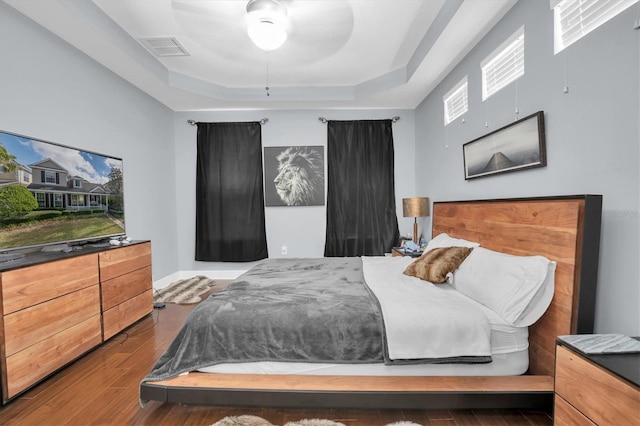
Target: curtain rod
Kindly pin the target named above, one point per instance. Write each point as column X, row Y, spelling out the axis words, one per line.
column 193, row 122
column 324, row 120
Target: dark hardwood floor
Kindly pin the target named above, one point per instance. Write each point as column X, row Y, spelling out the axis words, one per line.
column 101, row 388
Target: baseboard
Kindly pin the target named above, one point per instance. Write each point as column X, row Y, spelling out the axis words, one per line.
column 180, row 275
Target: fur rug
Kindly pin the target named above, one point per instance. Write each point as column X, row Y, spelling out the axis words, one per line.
column 247, row 420
column 314, row 422
column 242, row 421
column 185, row 291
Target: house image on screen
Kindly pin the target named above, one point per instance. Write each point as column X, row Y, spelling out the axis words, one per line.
column 54, row 188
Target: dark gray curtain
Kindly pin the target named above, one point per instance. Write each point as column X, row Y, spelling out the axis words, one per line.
column 361, row 206
column 230, row 224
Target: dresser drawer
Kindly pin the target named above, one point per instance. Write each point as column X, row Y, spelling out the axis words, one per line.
column 126, row 313
column 29, row 286
column 38, row 361
column 565, row 415
column 120, row 261
column 124, row 287
column 595, row 392
column 34, row 324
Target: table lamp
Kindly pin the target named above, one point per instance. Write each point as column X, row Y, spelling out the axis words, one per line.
column 415, row 207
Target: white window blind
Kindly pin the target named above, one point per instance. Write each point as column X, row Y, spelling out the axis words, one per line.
column 503, row 65
column 456, row 101
column 573, row 19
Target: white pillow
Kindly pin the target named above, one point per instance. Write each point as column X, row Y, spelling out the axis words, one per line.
column 540, row 301
column 518, row 288
column 444, row 240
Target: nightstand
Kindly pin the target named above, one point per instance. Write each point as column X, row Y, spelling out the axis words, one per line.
column 601, row 389
column 401, row 251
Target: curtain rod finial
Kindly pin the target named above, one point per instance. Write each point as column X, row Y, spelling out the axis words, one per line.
column 322, row 119
column 191, row 122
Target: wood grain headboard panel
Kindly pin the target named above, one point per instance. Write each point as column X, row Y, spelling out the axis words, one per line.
column 563, row 229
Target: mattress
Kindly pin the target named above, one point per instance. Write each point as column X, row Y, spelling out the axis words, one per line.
column 509, row 364
column 509, row 353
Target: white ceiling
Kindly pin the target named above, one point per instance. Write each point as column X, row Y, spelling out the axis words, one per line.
column 339, row 53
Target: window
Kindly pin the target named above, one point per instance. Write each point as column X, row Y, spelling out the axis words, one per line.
column 77, row 200
column 456, row 101
column 573, row 19
column 77, row 183
column 40, row 199
column 49, row 176
column 57, row 200
column 504, row 65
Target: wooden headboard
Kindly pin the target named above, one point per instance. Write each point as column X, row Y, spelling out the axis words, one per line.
column 563, row 229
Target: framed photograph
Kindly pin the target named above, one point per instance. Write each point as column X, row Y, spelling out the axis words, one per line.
column 518, row 146
column 294, row 176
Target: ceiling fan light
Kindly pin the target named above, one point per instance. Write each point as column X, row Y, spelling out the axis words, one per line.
column 267, row 20
column 267, row 35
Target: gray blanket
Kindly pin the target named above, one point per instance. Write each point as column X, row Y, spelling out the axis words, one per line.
column 305, row 315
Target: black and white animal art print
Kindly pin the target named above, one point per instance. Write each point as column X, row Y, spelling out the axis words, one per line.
column 294, row 175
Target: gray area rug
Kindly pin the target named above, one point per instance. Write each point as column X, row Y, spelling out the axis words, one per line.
column 187, row 291
column 247, row 420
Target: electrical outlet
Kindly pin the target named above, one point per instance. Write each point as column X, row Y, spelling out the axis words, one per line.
column 283, row 250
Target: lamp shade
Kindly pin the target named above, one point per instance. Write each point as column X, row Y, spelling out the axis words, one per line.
column 415, row 207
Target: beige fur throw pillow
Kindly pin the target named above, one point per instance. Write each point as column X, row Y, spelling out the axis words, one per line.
column 434, row 265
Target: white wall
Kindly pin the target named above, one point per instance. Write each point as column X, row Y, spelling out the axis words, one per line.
column 51, row 91
column 301, row 229
column 592, row 139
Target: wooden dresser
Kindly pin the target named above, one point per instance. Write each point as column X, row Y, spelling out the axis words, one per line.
column 596, row 389
column 51, row 311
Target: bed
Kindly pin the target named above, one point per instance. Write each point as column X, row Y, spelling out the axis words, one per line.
column 564, row 230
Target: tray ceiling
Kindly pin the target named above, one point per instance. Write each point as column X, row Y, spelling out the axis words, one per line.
column 339, row 53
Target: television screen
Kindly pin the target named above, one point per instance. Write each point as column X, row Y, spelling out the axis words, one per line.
column 52, row 194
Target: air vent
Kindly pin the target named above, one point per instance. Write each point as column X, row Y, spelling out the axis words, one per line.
column 164, row 46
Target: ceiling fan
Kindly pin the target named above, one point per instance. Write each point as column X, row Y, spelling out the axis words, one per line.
column 221, row 26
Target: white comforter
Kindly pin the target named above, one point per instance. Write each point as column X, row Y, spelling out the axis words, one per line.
column 424, row 320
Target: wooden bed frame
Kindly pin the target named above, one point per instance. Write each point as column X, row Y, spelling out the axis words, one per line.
column 564, row 229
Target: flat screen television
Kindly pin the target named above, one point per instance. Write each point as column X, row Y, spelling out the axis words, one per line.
column 52, row 196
